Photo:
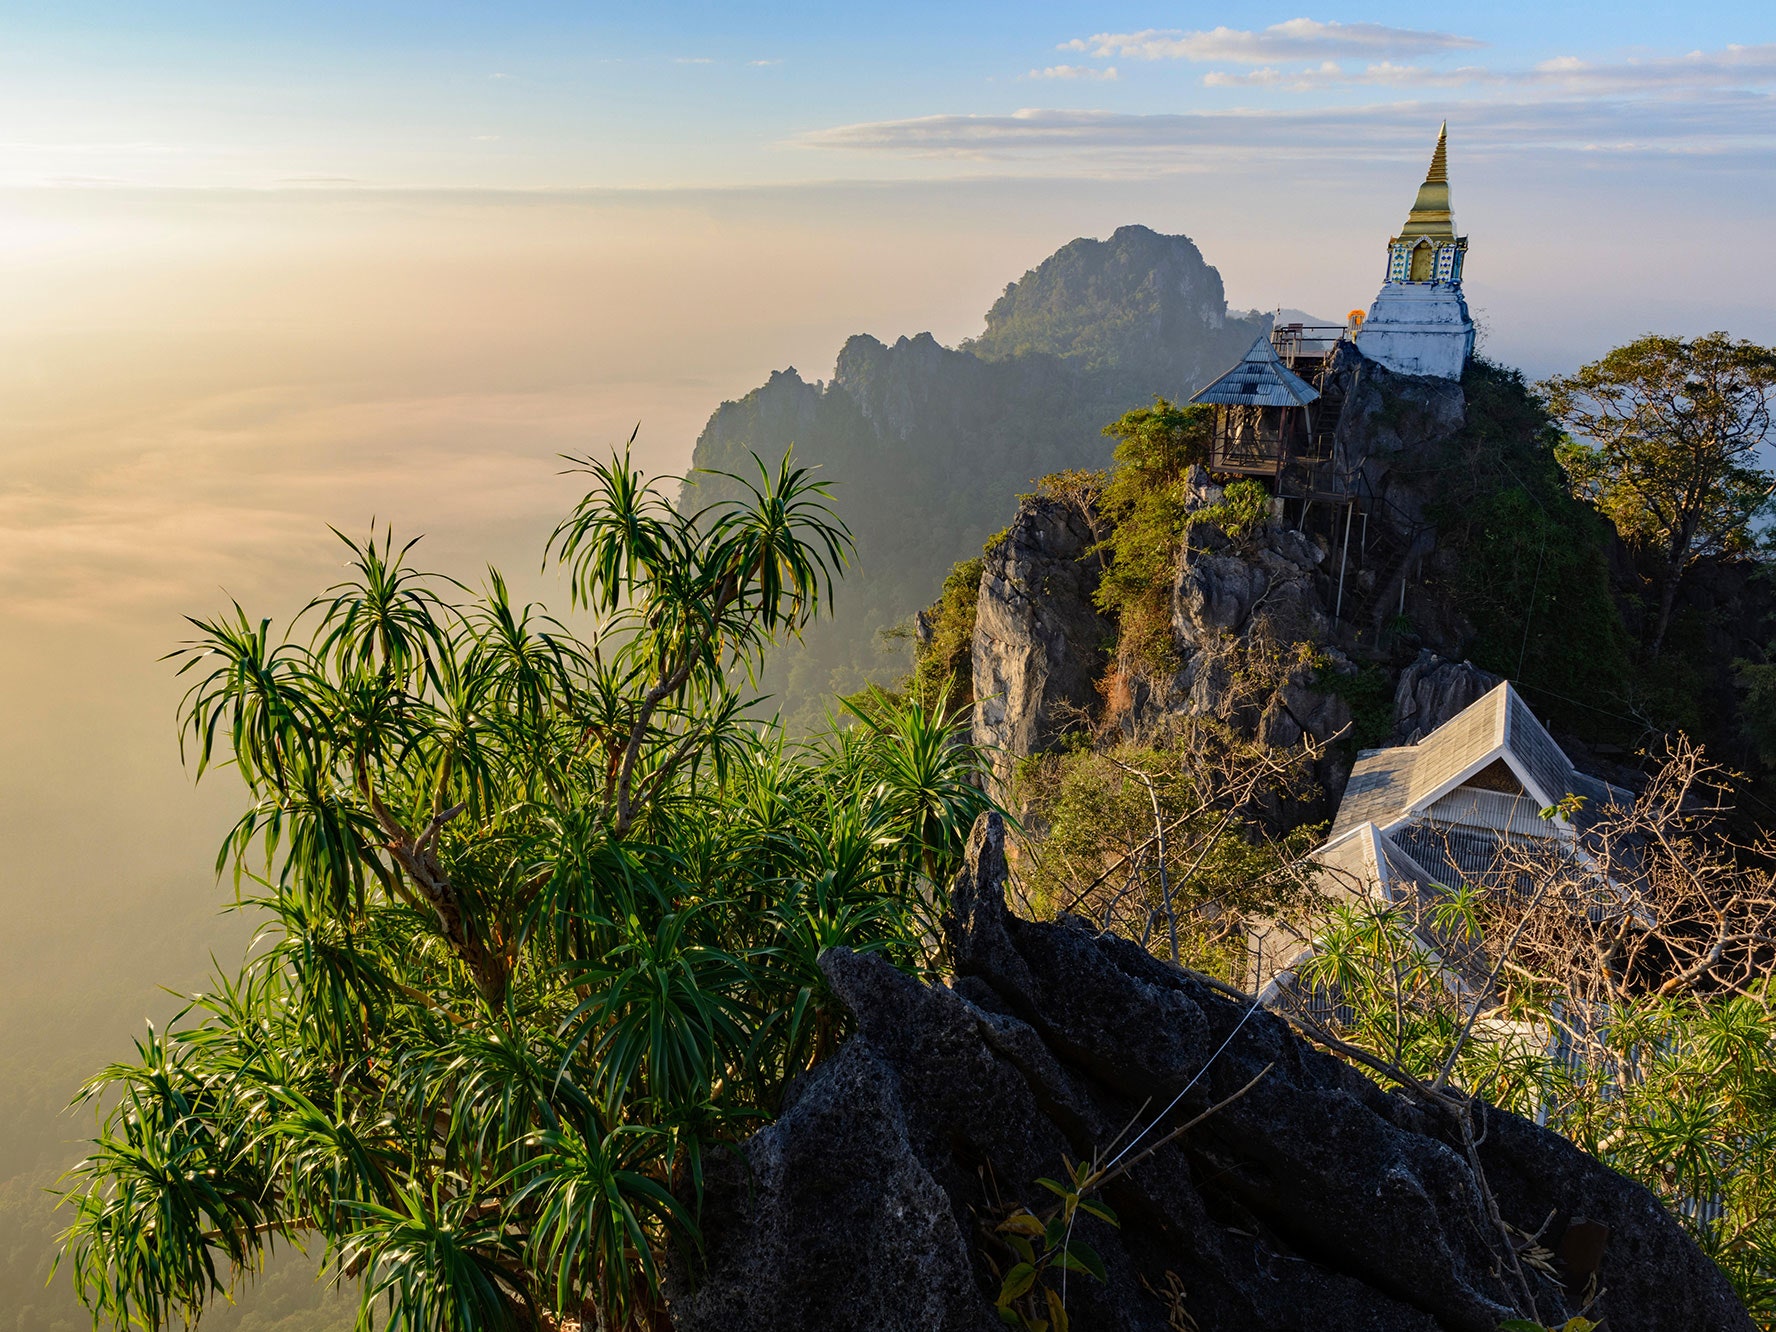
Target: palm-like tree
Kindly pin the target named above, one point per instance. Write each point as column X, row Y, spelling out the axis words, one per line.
column 541, row 917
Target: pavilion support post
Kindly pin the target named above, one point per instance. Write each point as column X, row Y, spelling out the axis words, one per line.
column 1343, row 560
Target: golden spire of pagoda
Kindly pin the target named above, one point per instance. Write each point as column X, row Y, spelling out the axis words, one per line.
column 1430, row 214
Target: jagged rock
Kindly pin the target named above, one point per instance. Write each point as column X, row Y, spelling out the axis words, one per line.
column 1390, row 424
column 1143, row 305
column 1230, row 598
column 1316, row 1200
column 1266, row 583
column 1432, row 690
column 1037, row 633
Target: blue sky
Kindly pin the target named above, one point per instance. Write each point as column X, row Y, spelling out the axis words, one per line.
column 555, row 96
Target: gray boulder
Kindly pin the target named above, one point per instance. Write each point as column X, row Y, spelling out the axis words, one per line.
column 1432, row 690
column 1265, row 595
column 1316, row 1200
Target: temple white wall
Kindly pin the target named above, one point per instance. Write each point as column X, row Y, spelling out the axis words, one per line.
column 1419, row 328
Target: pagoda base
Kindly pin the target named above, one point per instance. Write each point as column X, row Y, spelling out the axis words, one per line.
column 1419, row 328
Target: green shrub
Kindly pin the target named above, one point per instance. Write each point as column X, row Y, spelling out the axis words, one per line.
column 1143, row 507
column 1532, row 563
column 541, row 921
column 1186, row 895
column 1243, row 508
column 1370, row 694
column 943, row 664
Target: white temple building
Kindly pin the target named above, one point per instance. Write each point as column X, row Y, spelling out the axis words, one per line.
column 1419, row 819
column 1419, row 324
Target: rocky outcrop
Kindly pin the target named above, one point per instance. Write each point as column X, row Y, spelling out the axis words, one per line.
column 1266, row 584
column 1038, row 636
column 1239, row 611
column 1388, row 437
column 1315, row 1200
column 1432, row 690
column 1253, row 618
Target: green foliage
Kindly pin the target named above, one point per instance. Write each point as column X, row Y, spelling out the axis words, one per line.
column 1143, row 506
column 1156, row 445
column 540, row 922
column 1370, row 694
column 1532, row 563
column 1243, row 508
column 1757, row 712
column 943, row 656
column 1042, row 1246
column 1666, row 437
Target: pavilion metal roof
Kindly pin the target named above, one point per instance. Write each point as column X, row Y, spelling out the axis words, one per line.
column 1259, row 380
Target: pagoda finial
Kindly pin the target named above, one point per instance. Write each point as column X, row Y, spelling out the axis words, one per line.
column 1439, row 172
column 1430, row 214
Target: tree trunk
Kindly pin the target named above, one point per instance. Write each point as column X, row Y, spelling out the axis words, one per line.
column 1667, row 596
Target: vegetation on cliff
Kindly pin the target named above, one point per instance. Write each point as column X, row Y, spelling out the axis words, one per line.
column 1164, row 842
column 1531, row 561
column 1141, row 505
column 1666, row 438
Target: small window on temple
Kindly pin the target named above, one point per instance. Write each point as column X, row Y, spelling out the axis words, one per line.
column 1421, row 262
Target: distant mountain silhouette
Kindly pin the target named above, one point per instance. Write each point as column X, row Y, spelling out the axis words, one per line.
column 929, row 446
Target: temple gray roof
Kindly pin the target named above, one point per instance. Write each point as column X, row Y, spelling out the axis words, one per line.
column 1492, row 765
column 1419, row 820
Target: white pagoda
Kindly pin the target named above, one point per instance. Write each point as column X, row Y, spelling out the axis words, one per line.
column 1419, row 324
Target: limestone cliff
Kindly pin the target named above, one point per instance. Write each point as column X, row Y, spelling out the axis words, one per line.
column 1315, row 1200
column 1038, row 638
column 1327, row 612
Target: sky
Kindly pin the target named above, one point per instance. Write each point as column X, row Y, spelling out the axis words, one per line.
column 269, row 267
column 575, row 96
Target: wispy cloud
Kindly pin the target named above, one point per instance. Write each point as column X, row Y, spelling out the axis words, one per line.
column 1730, row 67
column 1296, row 39
column 1074, row 72
column 1701, row 124
column 692, row 60
column 765, row 64
column 1330, row 73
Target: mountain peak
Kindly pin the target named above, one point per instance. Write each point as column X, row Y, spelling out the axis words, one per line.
column 1139, row 304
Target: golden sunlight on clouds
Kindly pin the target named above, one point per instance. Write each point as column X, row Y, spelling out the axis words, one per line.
column 197, row 385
